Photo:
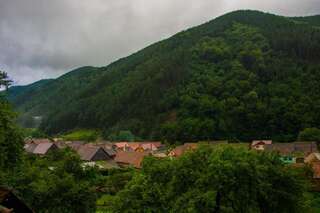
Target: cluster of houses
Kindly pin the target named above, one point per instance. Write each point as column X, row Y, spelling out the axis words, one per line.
column 102, row 154
column 296, row 154
column 124, row 154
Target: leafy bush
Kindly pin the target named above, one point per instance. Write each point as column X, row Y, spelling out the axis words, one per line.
column 55, row 183
column 310, row 134
column 82, row 135
column 214, row 179
column 123, row 136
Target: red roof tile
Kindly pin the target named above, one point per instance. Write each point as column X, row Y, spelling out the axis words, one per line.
column 130, row 158
column 180, row 150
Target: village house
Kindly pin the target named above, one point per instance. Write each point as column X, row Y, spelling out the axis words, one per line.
column 293, row 152
column 106, row 145
column 312, row 158
column 41, row 148
column 260, row 144
column 9, row 200
column 127, row 159
column 96, row 156
column 38, row 141
column 138, row 146
column 123, row 146
column 180, row 150
column 91, row 153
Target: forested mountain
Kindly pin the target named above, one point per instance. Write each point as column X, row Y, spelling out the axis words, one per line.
column 18, row 92
column 244, row 75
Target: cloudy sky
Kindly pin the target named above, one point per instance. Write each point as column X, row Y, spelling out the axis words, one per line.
column 46, row 38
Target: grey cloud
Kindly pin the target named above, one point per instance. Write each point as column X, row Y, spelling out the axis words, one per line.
column 45, row 38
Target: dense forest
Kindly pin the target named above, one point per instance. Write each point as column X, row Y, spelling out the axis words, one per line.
column 242, row 76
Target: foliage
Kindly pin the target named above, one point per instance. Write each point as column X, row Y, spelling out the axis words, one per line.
column 56, row 183
column 310, row 134
column 82, row 135
column 123, row 136
column 314, row 199
column 4, row 80
column 33, row 133
column 111, row 184
column 242, row 76
column 11, row 142
column 213, row 179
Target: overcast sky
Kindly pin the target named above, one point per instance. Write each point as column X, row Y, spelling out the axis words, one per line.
column 46, row 38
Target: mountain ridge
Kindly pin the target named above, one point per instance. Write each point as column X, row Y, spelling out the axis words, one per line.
column 149, row 92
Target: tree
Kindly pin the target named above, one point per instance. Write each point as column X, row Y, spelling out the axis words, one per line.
column 56, row 183
column 4, row 80
column 214, row 179
column 310, row 134
column 11, row 141
column 123, row 136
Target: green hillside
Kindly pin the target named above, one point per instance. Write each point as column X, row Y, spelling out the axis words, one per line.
column 17, row 93
column 244, row 75
column 312, row 20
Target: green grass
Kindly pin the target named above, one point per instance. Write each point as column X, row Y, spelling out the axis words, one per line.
column 82, row 135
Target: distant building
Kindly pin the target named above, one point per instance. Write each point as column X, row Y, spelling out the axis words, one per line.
column 293, row 152
column 38, row 141
column 90, row 153
column 40, row 148
column 180, row 150
column 127, row 159
column 138, row 146
column 313, row 158
column 260, row 144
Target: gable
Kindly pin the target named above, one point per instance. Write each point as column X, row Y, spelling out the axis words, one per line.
column 100, row 155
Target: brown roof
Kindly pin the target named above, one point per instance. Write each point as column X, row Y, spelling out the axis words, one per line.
column 132, row 146
column 30, row 147
column 106, row 145
column 88, row 152
column 39, row 141
column 265, row 142
column 180, row 150
column 43, row 148
column 75, row 145
column 131, row 158
column 290, row 148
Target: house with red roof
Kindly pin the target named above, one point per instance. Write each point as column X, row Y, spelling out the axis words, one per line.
column 127, row 159
column 138, row 146
column 180, row 150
